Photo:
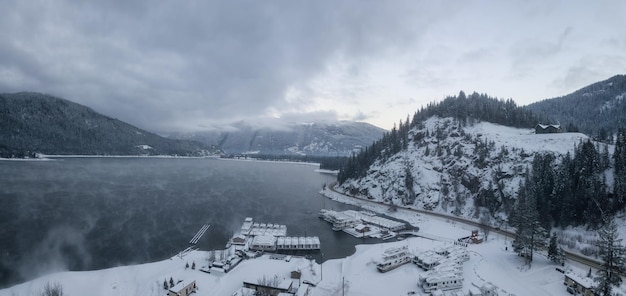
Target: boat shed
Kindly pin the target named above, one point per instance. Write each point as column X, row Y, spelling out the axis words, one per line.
column 263, row 243
column 298, row 243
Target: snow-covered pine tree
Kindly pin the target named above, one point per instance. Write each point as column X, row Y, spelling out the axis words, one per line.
column 530, row 235
column 612, row 254
column 553, row 248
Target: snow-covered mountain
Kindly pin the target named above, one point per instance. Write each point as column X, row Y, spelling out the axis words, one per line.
column 450, row 167
column 38, row 123
column 340, row 138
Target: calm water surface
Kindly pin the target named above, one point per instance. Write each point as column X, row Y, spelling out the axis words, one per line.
column 92, row 213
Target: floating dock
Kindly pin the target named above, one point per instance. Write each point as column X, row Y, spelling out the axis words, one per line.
column 194, row 240
column 361, row 223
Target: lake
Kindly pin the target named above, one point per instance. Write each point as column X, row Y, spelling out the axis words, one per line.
column 93, row 213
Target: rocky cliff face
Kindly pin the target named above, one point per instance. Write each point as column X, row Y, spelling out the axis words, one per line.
column 460, row 169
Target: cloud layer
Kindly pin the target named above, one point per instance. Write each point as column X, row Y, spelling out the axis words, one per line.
column 171, row 65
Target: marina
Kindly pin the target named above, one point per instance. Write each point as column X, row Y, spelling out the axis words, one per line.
column 269, row 237
column 362, row 224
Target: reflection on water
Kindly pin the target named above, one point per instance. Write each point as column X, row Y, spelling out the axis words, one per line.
column 92, row 213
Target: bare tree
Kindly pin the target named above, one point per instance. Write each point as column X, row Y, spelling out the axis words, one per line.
column 52, row 289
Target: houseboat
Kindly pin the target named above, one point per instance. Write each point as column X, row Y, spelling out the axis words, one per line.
column 442, row 281
column 393, row 258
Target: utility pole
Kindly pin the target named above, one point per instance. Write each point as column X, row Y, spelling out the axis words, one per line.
column 322, row 268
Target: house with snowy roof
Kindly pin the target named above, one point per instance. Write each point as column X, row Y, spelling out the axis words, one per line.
column 183, row 288
column 577, row 284
column 547, row 128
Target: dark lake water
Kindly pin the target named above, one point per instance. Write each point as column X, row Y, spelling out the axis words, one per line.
column 93, row 213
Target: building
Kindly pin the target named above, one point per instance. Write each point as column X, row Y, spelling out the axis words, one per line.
column 183, row 288
column 263, row 243
column 577, row 284
column 289, row 243
column 547, row 128
column 284, row 286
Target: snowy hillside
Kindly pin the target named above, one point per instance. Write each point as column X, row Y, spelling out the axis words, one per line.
column 449, row 167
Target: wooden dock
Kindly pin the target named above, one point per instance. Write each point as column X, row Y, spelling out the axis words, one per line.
column 198, row 235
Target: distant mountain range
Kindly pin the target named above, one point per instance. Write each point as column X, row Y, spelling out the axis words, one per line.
column 598, row 109
column 341, row 138
column 38, row 123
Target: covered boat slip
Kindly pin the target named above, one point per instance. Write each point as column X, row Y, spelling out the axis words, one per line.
column 268, row 237
column 298, row 243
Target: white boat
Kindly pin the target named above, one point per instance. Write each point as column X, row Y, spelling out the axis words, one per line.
column 389, row 235
column 393, row 258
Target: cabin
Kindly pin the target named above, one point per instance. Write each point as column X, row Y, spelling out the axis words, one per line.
column 183, row 288
column 578, row 285
column 547, row 128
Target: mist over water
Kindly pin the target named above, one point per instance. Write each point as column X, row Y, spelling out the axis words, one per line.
column 93, row 213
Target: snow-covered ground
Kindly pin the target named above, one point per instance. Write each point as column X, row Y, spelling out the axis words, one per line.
column 354, row 275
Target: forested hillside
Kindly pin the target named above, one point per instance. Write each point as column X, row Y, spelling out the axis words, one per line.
column 329, row 139
column 451, row 157
column 37, row 123
column 597, row 110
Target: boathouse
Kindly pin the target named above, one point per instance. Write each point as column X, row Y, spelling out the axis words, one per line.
column 288, row 243
column 183, row 288
column 263, row 243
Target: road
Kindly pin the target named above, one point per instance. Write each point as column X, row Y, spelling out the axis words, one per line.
column 569, row 255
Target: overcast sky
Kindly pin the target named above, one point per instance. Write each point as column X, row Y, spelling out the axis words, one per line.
column 191, row 65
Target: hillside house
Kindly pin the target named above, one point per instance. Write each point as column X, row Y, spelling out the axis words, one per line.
column 548, row 128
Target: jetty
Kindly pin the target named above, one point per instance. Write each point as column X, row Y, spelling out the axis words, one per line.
column 194, row 240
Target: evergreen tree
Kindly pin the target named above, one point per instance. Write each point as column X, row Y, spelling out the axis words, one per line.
column 171, row 282
column 529, row 235
column 193, row 265
column 553, row 248
column 619, row 157
column 165, row 286
column 612, row 253
column 555, row 253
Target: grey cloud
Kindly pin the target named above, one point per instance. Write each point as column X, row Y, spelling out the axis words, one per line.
column 165, row 64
